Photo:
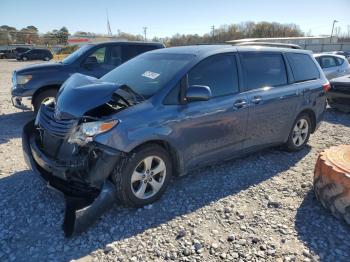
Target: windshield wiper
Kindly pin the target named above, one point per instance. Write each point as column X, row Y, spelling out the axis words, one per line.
column 126, row 90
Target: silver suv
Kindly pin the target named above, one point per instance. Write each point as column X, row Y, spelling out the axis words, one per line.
column 333, row 65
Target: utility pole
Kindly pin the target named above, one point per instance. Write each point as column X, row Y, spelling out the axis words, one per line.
column 212, row 31
column 334, row 21
column 108, row 25
column 145, row 32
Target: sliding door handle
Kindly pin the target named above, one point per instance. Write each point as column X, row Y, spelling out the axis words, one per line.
column 240, row 103
column 256, row 99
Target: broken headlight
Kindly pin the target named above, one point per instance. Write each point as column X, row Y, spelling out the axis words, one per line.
column 86, row 131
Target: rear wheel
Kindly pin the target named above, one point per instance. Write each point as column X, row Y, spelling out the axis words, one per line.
column 42, row 97
column 24, row 58
column 300, row 133
column 142, row 178
column 46, row 58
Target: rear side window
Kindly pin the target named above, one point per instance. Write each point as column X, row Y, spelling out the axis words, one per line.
column 115, row 57
column 145, row 48
column 130, row 51
column 328, row 61
column 219, row 72
column 303, row 67
column 339, row 61
column 263, row 69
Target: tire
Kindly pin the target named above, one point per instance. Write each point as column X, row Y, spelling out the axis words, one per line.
column 42, row 96
column 292, row 144
column 332, row 182
column 123, row 174
column 24, row 58
column 46, row 58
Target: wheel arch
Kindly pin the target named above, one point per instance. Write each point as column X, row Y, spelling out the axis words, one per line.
column 312, row 116
column 174, row 155
column 44, row 88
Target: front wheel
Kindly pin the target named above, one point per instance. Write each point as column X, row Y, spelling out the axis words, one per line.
column 143, row 177
column 42, row 97
column 46, row 58
column 300, row 133
column 25, row 58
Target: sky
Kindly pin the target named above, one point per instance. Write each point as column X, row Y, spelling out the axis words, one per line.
column 165, row 18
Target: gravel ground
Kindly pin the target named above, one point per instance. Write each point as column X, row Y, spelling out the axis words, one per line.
column 258, row 208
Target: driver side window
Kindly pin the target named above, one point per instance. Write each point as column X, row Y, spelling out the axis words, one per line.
column 99, row 55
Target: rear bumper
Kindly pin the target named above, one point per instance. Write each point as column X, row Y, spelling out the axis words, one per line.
column 58, row 174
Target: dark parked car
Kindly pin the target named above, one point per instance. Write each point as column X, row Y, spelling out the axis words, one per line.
column 339, row 95
column 42, row 81
column 8, row 54
column 12, row 53
column 2, row 53
column 167, row 112
column 20, row 50
column 35, row 54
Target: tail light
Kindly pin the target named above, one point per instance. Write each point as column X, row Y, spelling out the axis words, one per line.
column 326, row 87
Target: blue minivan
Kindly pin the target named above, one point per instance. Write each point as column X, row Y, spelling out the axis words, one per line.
column 169, row 111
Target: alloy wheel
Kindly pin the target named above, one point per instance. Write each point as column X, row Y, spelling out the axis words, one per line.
column 148, row 177
column 300, row 132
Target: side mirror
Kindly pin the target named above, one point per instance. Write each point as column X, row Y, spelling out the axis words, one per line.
column 198, row 93
column 90, row 61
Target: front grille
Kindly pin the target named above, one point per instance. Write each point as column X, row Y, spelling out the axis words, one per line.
column 57, row 127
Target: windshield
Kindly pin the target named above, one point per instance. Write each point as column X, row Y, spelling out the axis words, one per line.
column 148, row 73
column 76, row 54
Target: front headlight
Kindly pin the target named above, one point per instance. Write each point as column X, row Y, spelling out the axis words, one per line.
column 87, row 131
column 94, row 128
column 23, row 79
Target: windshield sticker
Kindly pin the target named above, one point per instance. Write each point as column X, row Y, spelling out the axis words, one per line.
column 151, row 75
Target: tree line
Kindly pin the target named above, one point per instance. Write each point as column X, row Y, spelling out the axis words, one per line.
column 30, row 34
column 236, row 31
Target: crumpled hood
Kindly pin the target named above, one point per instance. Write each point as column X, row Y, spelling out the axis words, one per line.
column 81, row 93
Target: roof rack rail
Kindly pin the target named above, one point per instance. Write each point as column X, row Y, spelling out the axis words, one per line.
column 271, row 44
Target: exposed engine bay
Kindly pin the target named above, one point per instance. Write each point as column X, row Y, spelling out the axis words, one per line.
column 60, row 146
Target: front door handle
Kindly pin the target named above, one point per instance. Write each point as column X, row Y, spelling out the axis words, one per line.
column 256, row 99
column 240, row 103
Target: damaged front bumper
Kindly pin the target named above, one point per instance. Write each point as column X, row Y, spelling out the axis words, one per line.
column 83, row 181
